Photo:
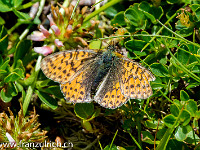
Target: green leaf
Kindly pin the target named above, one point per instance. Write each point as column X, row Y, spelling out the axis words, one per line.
column 20, row 66
column 112, row 148
column 43, row 83
column 151, row 12
column 191, row 106
column 135, row 17
column 118, row 20
column 192, row 84
column 173, row 1
column 160, row 133
column 147, row 137
column 2, row 72
column 21, row 15
column 95, row 45
column 16, row 3
column 196, row 69
column 1, row 60
column 2, row 21
column 30, row 80
column 84, row 110
column 12, row 77
column 174, row 110
column 158, row 86
column 198, row 114
column 159, row 70
column 19, row 87
column 8, row 93
column 192, row 138
column 153, row 124
column 48, row 100
column 54, row 90
column 5, row 96
column 197, row 13
column 184, row 96
column 98, row 33
column 113, row 10
column 19, row 71
column 135, row 46
column 185, row 117
column 176, row 145
column 96, row 113
column 5, row 6
column 145, row 38
column 163, row 143
column 3, row 39
column 5, row 64
column 184, row 32
column 87, row 126
column 169, row 120
column 181, row 132
column 22, row 49
column 183, row 57
column 194, row 7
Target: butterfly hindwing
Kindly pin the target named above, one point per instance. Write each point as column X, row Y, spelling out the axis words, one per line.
column 75, row 91
column 135, row 79
column 78, row 90
column 109, row 93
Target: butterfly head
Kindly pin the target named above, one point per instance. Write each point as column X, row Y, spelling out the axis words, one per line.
column 111, row 48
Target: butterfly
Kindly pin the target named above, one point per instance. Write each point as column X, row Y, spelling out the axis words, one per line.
column 106, row 76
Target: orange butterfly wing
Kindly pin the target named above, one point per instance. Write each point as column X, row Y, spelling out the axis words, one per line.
column 68, row 69
column 135, row 80
column 64, row 66
column 109, row 93
column 126, row 79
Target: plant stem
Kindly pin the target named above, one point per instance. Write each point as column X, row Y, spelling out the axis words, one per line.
column 32, row 86
column 159, row 31
column 37, row 67
column 113, row 139
column 181, row 67
column 139, row 130
column 65, row 4
column 107, row 5
column 187, row 41
column 135, row 141
column 163, row 143
column 74, row 9
column 27, row 5
column 136, row 35
column 166, row 97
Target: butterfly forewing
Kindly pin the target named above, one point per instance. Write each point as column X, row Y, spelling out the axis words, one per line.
column 76, row 91
column 62, row 66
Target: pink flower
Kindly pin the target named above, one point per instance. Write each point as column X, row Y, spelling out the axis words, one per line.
column 55, row 29
column 44, row 31
column 58, row 43
column 36, row 36
column 34, row 10
column 45, row 50
column 51, row 20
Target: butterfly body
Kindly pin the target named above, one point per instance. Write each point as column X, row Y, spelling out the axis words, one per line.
column 105, row 63
column 105, row 76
